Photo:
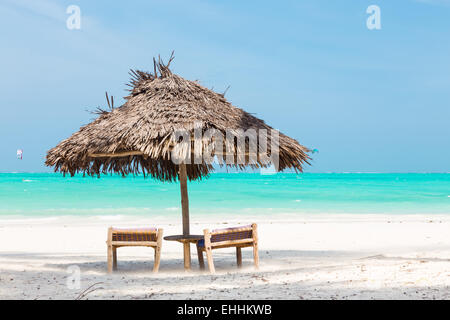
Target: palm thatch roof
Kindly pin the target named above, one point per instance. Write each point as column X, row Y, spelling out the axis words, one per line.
column 138, row 137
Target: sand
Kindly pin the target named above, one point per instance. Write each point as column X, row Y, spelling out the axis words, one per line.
column 315, row 257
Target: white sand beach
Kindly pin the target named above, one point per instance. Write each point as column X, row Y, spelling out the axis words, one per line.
column 324, row 257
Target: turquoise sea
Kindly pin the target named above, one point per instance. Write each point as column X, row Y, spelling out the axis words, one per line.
column 49, row 194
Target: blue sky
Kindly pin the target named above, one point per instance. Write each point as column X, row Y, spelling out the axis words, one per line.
column 368, row 100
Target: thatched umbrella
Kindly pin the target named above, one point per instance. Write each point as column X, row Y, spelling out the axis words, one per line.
column 141, row 135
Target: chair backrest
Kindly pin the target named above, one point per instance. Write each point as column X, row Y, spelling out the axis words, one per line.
column 235, row 233
column 138, row 234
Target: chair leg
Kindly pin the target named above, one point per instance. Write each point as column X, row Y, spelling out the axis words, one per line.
column 239, row 257
column 110, row 258
column 158, row 250
column 157, row 259
column 201, row 262
column 114, row 251
column 256, row 255
column 210, row 260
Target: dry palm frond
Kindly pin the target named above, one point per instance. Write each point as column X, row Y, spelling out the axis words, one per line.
column 101, row 111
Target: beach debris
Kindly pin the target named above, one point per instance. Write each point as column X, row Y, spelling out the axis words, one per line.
column 260, row 278
column 19, row 154
column 88, row 290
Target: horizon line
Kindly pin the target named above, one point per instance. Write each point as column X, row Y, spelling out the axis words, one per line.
column 239, row 172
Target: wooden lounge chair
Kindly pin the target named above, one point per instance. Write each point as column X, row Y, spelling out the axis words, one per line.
column 143, row 237
column 239, row 237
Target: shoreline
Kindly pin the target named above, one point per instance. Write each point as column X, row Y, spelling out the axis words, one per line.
column 218, row 218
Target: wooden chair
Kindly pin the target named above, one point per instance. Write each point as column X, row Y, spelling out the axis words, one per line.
column 143, row 237
column 238, row 237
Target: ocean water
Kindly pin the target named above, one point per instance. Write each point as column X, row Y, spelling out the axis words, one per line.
column 225, row 194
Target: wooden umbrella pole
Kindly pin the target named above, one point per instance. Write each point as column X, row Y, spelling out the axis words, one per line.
column 184, row 198
column 185, row 211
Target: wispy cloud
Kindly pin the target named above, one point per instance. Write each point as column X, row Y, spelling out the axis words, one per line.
column 445, row 3
column 43, row 8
